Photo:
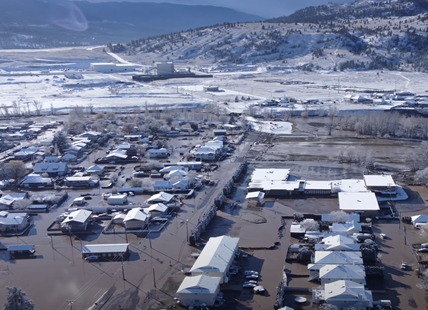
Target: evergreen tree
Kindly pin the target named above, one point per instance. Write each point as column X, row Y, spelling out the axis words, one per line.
column 17, row 300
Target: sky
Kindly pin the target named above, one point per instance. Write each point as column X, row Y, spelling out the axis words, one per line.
column 263, row 8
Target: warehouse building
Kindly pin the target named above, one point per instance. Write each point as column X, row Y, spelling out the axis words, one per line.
column 108, row 67
column 199, row 290
column 216, row 258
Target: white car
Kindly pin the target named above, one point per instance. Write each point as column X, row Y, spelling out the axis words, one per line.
column 251, row 281
column 252, row 277
column 249, row 285
column 250, row 272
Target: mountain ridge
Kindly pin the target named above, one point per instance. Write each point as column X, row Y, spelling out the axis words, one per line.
column 34, row 23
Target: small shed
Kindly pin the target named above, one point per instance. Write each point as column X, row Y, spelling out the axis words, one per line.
column 21, row 250
column 118, row 199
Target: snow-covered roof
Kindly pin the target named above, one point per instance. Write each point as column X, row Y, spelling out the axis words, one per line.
column 95, row 168
column 350, row 227
column 349, row 185
column 275, row 185
column 382, row 180
column 347, row 290
column 216, row 255
column 9, row 199
column 343, row 272
column 338, row 257
column 12, row 219
column 118, row 153
column 79, row 216
column 177, row 173
column 318, row 185
column 272, row 174
column 201, row 284
column 358, row 201
column 136, row 214
column 171, row 168
column 255, row 195
column 36, row 178
column 160, row 207
column 420, row 218
column 105, row 248
column 161, row 197
column 50, row 167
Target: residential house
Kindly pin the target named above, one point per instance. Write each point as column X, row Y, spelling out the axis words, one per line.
column 81, row 181
column 95, row 169
column 136, row 219
column 338, row 258
column 36, row 181
column 161, row 197
column 26, row 154
column 156, row 209
column 13, row 222
column 346, row 228
column 51, row 169
column 91, row 135
column 69, row 158
column 7, row 200
column 76, row 221
column 158, row 153
column 344, row 294
column 332, row 273
column 170, row 185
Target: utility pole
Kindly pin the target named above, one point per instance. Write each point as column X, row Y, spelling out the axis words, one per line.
column 123, row 270
column 154, row 278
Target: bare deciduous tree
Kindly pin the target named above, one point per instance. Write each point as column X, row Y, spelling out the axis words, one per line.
column 339, row 217
column 15, row 169
column 17, row 299
column 38, row 105
column 310, row 225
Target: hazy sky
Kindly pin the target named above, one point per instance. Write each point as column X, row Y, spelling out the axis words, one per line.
column 264, row 8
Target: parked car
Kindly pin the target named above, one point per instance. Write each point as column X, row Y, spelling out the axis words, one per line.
column 249, row 285
column 423, row 250
column 251, row 281
column 91, row 258
column 404, row 266
column 252, row 277
column 249, row 272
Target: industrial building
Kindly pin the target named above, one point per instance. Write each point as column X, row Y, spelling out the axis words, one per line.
column 165, row 68
column 108, row 67
column 216, row 258
column 358, row 201
column 107, row 251
column 382, row 185
column 199, row 290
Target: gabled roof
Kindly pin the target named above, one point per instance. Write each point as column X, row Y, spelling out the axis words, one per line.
column 36, row 178
column 338, row 257
column 161, row 197
column 13, row 219
column 79, row 216
column 199, row 285
column 135, row 214
column 9, row 199
column 171, row 168
column 216, row 255
column 177, row 173
column 160, row 207
column 420, row 218
column 346, row 290
column 95, row 168
column 50, row 167
column 343, row 272
column 351, row 227
column 118, row 153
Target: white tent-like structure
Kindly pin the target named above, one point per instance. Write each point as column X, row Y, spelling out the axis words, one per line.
column 421, row 218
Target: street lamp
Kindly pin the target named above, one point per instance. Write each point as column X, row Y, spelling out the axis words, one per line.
column 187, row 230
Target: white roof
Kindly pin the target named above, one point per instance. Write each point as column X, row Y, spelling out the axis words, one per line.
column 420, row 218
column 36, row 178
column 382, row 180
column 275, row 185
column 50, row 167
column 79, row 216
column 320, row 185
column 347, row 227
column 136, row 214
column 343, row 272
column 339, row 238
column 201, row 284
column 255, row 195
column 358, row 201
column 160, row 207
column 171, row 168
column 175, row 173
column 349, row 185
column 297, row 229
column 270, row 175
column 105, row 248
column 12, row 218
column 216, row 255
column 161, row 197
column 338, row 257
column 77, row 179
column 346, row 290
column 118, row 153
column 95, row 168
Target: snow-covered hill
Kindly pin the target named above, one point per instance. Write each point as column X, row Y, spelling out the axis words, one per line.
column 394, row 36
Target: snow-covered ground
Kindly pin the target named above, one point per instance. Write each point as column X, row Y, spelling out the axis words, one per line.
column 273, row 127
column 34, row 77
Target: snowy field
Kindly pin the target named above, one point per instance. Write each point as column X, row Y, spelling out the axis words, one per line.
column 61, row 79
column 277, row 127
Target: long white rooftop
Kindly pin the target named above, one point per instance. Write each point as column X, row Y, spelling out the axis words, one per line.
column 358, row 201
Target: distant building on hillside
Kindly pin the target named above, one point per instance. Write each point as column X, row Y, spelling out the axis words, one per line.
column 111, row 67
column 165, row 68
